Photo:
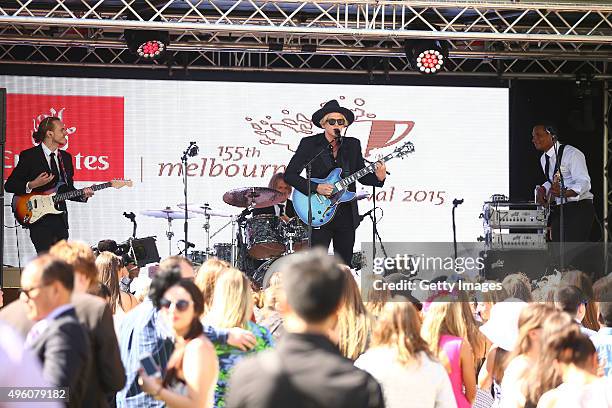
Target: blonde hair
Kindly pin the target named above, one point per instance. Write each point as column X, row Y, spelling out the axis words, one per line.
column 518, row 286
column 331, row 113
column 109, row 265
column 271, row 293
column 531, row 318
column 442, row 318
column 232, row 303
column 354, row 322
column 399, row 326
column 78, row 255
column 207, row 276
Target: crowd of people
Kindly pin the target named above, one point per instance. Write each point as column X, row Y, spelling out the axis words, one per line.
column 206, row 337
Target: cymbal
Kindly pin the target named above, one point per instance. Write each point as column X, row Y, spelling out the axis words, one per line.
column 167, row 213
column 258, row 197
column 203, row 209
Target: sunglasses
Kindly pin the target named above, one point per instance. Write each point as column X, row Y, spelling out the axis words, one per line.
column 181, row 305
column 334, row 121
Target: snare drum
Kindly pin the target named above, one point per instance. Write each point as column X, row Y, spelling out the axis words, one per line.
column 223, row 251
column 198, row 257
column 263, row 237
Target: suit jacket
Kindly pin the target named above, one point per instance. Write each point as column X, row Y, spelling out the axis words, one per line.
column 107, row 375
column 349, row 158
column 305, row 370
column 289, row 211
column 31, row 163
column 63, row 349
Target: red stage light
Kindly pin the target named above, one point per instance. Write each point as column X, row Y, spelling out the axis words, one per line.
column 151, row 49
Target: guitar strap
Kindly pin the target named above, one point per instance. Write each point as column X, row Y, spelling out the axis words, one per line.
column 557, row 164
column 343, row 161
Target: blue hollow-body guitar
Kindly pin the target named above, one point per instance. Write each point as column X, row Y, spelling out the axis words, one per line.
column 324, row 208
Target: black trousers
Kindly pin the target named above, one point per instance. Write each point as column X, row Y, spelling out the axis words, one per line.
column 341, row 231
column 47, row 231
column 577, row 221
column 578, row 253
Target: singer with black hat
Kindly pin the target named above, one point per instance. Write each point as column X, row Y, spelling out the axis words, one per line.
column 342, row 152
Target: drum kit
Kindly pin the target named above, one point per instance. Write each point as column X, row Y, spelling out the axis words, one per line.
column 260, row 238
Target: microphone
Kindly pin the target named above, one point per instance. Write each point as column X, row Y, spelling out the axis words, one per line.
column 129, row 216
column 189, row 244
column 339, row 136
column 457, row 202
column 193, row 149
column 361, row 217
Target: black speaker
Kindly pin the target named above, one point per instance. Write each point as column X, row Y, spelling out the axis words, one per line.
column 499, row 264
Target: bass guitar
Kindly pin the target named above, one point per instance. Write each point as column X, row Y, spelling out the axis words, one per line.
column 324, row 208
column 31, row 207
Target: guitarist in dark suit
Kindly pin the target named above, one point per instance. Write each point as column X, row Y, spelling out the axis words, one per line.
column 342, row 152
column 41, row 168
column 284, row 210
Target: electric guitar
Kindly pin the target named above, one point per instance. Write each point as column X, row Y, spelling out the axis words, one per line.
column 324, row 208
column 31, row 207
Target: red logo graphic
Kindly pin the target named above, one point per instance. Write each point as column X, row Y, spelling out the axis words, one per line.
column 94, row 125
column 373, row 133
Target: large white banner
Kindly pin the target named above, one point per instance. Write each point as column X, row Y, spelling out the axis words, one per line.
column 138, row 129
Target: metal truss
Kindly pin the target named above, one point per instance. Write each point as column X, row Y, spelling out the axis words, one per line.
column 607, row 150
column 485, row 38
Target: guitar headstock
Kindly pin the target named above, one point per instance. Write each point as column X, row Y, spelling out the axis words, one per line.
column 118, row 183
column 403, row 150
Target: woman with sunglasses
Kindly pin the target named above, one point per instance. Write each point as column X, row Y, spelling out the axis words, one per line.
column 334, row 151
column 193, row 367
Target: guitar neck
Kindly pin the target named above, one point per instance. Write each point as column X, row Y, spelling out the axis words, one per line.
column 77, row 193
column 370, row 168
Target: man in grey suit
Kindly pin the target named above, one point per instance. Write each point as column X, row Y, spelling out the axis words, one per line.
column 306, row 369
column 57, row 337
column 107, row 374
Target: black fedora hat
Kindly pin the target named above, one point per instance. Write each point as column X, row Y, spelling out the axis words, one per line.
column 332, row 107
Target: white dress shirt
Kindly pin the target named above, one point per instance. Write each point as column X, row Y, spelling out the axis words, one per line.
column 573, row 169
column 47, row 153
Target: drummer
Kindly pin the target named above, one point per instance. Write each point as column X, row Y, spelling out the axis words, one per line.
column 284, row 209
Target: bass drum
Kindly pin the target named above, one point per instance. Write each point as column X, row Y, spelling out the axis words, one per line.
column 261, row 276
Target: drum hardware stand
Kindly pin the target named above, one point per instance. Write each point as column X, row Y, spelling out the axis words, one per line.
column 206, row 227
column 191, row 151
column 170, row 234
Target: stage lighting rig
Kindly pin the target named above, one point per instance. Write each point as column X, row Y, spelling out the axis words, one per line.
column 149, row 45
column 426, row 56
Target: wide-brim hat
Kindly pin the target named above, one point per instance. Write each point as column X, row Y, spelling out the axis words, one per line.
column 502, row 327
column 332, row 107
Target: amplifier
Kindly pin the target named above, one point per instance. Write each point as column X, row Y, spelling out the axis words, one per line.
column 515, row 241
column 506, row 218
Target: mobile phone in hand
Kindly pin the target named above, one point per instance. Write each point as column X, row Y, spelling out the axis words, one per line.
column 150, row 367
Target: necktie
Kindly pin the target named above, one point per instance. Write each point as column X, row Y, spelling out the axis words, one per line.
column 281, row 209
column 547, row 168
column 54, row 169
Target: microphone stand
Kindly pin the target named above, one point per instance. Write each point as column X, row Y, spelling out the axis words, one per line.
column 308, row 168
column 456, row 203
column 191, row 151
